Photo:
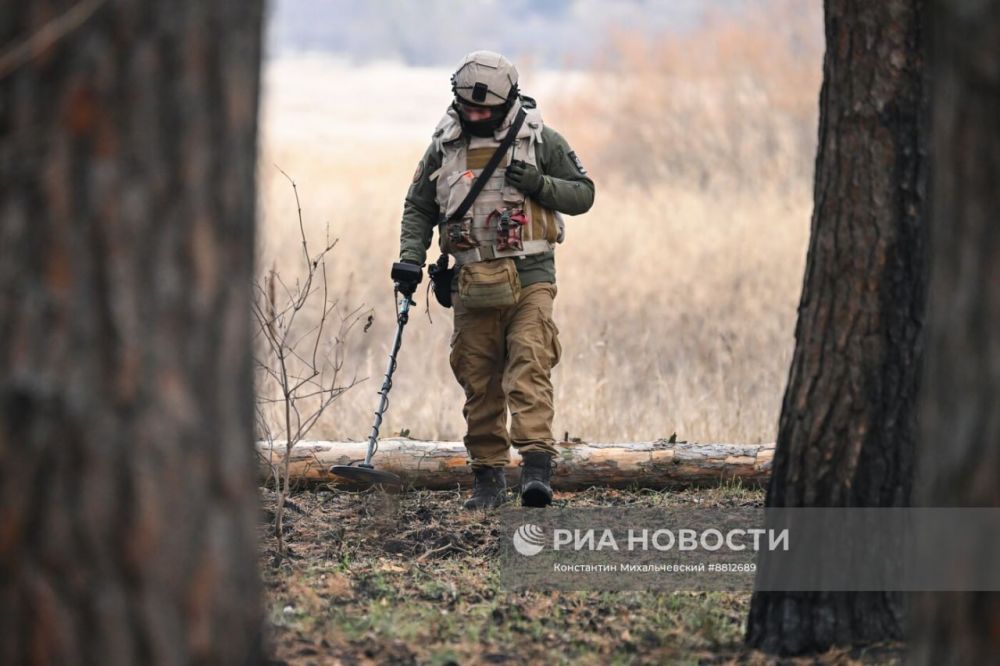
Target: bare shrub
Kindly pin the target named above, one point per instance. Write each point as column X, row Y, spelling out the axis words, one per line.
column 297, row 365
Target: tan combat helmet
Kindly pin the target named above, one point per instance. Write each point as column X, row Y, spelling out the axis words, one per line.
column 485, row 78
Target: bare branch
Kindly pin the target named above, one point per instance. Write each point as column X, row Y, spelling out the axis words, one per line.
column 298, row 367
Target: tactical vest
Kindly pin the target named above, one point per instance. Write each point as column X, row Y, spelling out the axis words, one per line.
column 502, row 222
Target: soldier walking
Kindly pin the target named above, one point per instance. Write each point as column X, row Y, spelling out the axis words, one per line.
column 496, row 181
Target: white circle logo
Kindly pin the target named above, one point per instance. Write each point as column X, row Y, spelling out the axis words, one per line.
column 529, row 539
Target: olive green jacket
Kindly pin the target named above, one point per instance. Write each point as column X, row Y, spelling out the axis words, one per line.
column 566, row 188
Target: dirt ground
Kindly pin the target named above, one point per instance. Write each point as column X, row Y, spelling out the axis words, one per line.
column 371, row 578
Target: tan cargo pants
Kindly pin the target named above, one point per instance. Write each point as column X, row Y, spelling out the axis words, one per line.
column 503, row 358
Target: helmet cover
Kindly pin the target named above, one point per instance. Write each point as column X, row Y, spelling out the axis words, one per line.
column 484, row 78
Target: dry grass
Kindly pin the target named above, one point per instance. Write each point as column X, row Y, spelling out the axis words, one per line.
column 677, row 292
column 728, row 107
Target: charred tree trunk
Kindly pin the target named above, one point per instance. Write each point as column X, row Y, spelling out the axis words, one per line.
column 127, row 165
column 847, row 430
column 959, row 454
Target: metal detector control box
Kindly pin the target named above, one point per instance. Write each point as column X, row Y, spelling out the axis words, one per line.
column 407, row 276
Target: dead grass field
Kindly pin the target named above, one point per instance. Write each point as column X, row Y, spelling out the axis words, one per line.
column 677, row 291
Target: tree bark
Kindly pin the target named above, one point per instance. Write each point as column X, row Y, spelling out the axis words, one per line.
column 127, row 167
column 443, row 465
column 959, row 454
column 847, row 428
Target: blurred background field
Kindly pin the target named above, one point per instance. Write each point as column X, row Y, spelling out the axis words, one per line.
column 677, row 291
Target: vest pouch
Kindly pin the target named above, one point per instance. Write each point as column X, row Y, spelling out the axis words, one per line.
column 489, row 284
column 456, row 234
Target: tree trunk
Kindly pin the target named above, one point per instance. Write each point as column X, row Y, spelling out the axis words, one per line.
column 127, row 166
column 443, row 465
column 847, row 430
column 959, row 455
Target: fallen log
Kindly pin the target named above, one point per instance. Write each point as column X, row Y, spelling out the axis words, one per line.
column 443, row 465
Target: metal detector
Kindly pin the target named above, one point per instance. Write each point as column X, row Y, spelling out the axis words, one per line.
column 406, row 278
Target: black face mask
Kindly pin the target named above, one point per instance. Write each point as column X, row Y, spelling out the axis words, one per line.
column 483, row 128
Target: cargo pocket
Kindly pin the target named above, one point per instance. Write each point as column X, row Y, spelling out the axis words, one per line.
column 455, row 356
column 552, row 338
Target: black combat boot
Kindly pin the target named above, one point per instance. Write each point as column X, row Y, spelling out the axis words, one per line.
column 536, row 469
column 489, row 489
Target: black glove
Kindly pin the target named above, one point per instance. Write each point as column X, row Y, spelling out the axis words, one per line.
column 407, row 274
column 525, row 177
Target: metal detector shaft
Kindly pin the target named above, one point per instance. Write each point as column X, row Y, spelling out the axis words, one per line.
column 402, row 316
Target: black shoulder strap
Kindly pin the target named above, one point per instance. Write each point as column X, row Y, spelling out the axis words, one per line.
column 490, row 167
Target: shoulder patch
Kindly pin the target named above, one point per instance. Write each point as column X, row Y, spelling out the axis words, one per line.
column 419, row 172
column 577, row 162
